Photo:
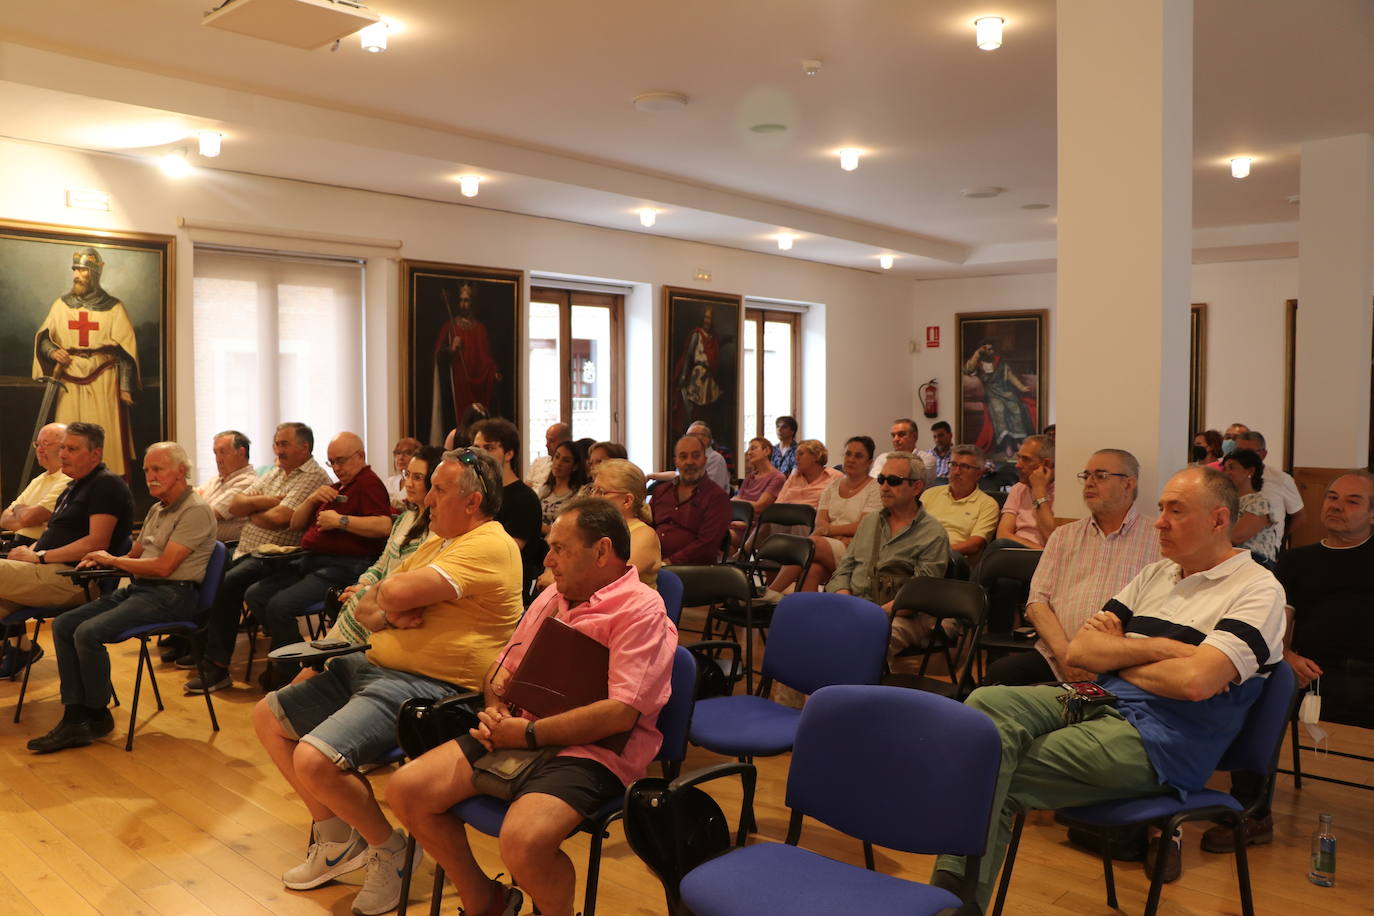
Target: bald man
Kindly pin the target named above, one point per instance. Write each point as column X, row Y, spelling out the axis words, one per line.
column 28, row 515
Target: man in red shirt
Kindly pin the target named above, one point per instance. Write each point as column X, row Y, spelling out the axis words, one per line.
column 346, row 526
column 599, row 594
column 691, row 514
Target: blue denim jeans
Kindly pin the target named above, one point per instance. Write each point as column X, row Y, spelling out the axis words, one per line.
column 281, row 599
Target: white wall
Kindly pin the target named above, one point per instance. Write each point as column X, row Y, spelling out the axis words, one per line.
column 844, row 341
column 1245, row 346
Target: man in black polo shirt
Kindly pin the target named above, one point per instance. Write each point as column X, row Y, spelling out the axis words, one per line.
column 95, row 512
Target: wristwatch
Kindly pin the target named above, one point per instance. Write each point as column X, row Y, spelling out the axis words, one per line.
column 343, row 522
column 530, row 739
column 41, row 554
column 1037, row 503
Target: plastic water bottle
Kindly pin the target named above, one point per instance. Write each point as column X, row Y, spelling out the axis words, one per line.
column 1323, row 871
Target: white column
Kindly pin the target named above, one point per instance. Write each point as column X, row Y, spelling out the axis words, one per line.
column 1335, row 242
column 1125, row 89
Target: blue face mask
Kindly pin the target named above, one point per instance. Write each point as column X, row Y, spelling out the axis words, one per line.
column 1227, row 447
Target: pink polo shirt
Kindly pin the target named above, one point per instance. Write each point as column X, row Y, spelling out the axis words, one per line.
column 628, row 617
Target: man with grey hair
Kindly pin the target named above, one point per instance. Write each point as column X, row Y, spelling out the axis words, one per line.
column 234, row 475
column 165, row 568
column 968, row 514
column 1028, row 513
column 904, row 434
column 1279, row 487
column 717, row 471
column 437, row 625
column 28, row 515
column 1185, row 648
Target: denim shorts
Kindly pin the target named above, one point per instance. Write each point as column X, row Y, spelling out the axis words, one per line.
column 348, row 711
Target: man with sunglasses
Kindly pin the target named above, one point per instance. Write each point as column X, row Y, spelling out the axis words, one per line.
column 438, row 623
column 968, row 514
column 898, row 541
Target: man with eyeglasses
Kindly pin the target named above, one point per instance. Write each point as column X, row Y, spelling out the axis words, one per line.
column 895, row 543
column 968, row 514
column 28, row 515
column 438, row 623
column 1084, row 564
column 268, row 505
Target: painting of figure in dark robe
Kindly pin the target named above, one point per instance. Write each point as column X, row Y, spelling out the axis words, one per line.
column 1002, row 369
column 701, row 352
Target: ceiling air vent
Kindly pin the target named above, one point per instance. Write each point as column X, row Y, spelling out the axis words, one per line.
column 305, row 24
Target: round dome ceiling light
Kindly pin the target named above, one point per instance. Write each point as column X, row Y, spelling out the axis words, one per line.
column 660, row 101
column 768, row 128
column 981, row 193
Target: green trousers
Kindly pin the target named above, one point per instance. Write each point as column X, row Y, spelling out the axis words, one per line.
column 1047, row 764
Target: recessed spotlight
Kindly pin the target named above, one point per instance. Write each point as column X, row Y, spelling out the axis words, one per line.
column 660, row 101
column 647, row 217
column 989, row 32
column 785, row 241
column 768, row 128
column 811, row 66
column 980, row 193
column 1240, row 167
column 209, row 143
column 849, row 158
column 175, row 164
column 885, row 261
column 373, row 38
column 1035, row 206
column 468, row 184
column 1295, row 199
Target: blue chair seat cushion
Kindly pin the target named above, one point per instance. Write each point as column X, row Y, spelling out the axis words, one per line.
column 1140, row 810
column 145, row 629
column 744, row 725
column 777, row 878
column 486, row 814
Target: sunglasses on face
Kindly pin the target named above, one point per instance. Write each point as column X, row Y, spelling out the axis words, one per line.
column 892, row 480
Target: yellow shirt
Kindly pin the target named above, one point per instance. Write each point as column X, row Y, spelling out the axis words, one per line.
column 459, row 638
column 43, row 491
column 975, row 514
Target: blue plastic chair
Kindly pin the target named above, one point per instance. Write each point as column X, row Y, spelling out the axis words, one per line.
column 209, row 587
column 904, row 769
column 670, row 590
column 486, row 814
column 1255, row 749
column 816, row 640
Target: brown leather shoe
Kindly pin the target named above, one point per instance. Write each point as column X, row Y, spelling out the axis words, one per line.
column 1257, row 832
column 1173, row 865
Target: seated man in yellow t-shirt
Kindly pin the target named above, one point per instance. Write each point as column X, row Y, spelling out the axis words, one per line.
column 437, row 625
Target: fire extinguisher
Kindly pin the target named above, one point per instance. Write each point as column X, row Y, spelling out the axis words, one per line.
column 930, row 397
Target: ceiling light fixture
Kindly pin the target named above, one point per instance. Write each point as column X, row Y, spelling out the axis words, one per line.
column 373, row 38
column 989, row 31
column 175, row 164
column 1240, row 167
column 785, row 241
column 849, row 158
column 209, row 143
column 467, row 184
column 768, row 128
column 885, row 261
column 811, row 66
column 660, row 101
column 981, row 192
column 647, row 217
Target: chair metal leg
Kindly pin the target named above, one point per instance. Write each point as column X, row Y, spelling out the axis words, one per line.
column 1297, row 755
column 1108, row 875
column 436, row 897
column 406, row 875
column 868, row 857
column 1157, row 874
column 599, row 835
column 205, row 682
column 1247, row 902
column 24, row 687
column 152, row 674
column 114, row 694
column 133, row 709
column 1009, row 862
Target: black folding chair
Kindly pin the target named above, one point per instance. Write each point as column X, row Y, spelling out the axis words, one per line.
column 778, row 551
column 1006, row 563
column 943, row 599
column 715, row 587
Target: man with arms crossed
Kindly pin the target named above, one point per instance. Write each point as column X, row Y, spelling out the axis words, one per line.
column 28, row 515
column 599, row 594
column 1182, row 694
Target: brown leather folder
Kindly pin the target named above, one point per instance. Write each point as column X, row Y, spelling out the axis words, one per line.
column 562, row 670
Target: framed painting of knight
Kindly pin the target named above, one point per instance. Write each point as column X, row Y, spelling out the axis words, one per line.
column 701, row 361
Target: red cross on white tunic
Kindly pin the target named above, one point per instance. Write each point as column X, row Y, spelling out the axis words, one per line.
column 85, row 326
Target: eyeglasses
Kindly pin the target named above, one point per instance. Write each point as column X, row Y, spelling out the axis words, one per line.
column 468, row 456
column 339, row 462
column 1100, row 476
column 966, row 467
column 598, row 491
column 892, row 480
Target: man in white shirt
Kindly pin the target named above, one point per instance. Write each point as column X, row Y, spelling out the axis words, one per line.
column 235, row 475
column 1279, row 487
column 904, row 435
column 28, row 515
column 539, row 468
column 716, row 469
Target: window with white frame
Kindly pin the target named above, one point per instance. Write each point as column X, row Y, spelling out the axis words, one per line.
column 277, row 338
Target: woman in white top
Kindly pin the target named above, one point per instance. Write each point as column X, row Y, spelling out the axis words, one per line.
column 1254, row 529
column 842, row 506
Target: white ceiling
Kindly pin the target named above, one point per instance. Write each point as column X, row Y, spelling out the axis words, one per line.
column 536, row 95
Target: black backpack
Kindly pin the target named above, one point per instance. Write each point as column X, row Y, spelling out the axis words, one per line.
column 673, row 831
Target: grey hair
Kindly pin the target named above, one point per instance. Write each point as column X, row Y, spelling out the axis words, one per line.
column 972, row 451
column 178, row 454
column 1045, row 444
column 1221, row 491
column 1255, row 436
column 1129, row 461
column 239, row 440
column 482, row 476
column 913, row 462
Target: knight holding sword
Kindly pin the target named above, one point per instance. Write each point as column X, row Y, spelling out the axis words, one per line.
column 87, row 349
column 465, row 372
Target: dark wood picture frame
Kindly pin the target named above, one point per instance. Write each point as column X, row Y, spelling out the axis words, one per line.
column 1197, row 372
column 36, row 272
column 998, row 421
column 711, row 391
column 433, row 303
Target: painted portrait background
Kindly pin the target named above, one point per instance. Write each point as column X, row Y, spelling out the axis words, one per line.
column 490, row 352
column 35, row 269
column 1002, row 391
column 701, row 368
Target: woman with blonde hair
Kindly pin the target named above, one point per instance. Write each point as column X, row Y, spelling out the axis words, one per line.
column 622, row 483
column 810, row 479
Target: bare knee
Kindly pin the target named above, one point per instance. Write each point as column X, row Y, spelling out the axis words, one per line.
column 525, row 843
column 265, row 721
column 311, row 765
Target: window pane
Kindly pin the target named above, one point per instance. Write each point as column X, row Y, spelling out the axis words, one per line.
column 778, row 367
column 545, row 374
column 591, row 372
column 751, row 382
column 226, row 360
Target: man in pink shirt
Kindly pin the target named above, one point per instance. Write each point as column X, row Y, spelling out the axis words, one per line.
column 599, row 594
column 1028, row 513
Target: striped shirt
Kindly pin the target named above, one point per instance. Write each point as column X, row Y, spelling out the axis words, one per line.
column 1082, row 567
column 293, row 487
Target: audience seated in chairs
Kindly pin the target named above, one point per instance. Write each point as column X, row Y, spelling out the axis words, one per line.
column 761, row 485
column 1083, row 565
column 1028, row 513
column 166, row 565
column 968, row 514
column 1182, row 696
column 784, row 456
column 26, row 518
column 234, row 474
column 567, row 477
column 437, row 624
column 1209, row 440
column 94, row 512
column 520, row 513
column 904, row 435
column 1256, row 529
column 806, row 484
column 943, row 451
column 602, row 451
column 408, row 532
column 1285, row 503
column 598, row 594
column 538, row 471
column 846, row 502
column 406, row 448
column 621, row 482
column 691, row 514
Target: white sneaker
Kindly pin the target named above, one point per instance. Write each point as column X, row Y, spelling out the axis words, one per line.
column 326, row 861
column 381, row 891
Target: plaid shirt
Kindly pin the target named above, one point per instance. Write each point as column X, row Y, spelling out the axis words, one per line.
column 293, row 487
column 1082, row 568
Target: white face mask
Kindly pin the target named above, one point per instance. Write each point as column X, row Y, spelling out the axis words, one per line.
column 1310, row 713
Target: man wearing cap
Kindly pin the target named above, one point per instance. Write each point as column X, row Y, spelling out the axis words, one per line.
column 87, row 343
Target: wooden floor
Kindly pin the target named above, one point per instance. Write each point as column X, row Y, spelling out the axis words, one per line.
column 197, row 822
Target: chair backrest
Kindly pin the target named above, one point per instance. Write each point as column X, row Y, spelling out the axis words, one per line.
column 1256, row 746
column 675, row 718
column 899, row 768
column 1008, row 563
column 711, row 584
column 817, row 639
column 670, row 590
column 214, row 574
column 788, row 514
column 742, row 511
column 788, row 550
column 958, row 567
column 962, row 601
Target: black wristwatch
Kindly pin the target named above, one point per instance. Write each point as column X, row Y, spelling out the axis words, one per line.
column 42, row 556
column 530, row 739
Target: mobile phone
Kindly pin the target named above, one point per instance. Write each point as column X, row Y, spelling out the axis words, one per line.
column 326, row 644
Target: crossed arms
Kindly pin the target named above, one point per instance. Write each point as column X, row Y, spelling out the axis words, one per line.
column 1165, row 667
